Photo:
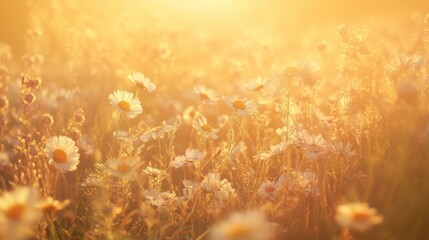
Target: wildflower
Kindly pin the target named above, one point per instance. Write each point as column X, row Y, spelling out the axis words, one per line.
column 50, row 205
column 93, row 181
column 203, row 128
column 206, row 95
column 124, row 168
column 403, row 65
column 191, row 188
column 191, row 157
column 75, row 134
column 29, row 98
column 47, row 119
column 249, row 225
column 79, row 117
column 126, row 103
column 357, row 216
column 153, row 172
column 273, row 93
column 18, row 212
column 344, row 149
column 190, row 113
column 157, row 132
column 270, row 189
column 275, row 150
column 57, row 97
column 256, row 84
column 221, row 189
column 62, row 153
column 161, row 199
column 304, row 71
column 141, row 81
column 243, row 107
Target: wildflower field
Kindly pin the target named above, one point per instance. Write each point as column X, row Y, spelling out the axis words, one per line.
column 217, row 120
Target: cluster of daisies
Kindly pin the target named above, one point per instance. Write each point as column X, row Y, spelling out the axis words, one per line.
column 22, row 208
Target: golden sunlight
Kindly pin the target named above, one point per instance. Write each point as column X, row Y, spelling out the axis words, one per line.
column 214, row 119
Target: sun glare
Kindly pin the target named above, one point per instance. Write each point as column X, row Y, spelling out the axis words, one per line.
column 214, row 119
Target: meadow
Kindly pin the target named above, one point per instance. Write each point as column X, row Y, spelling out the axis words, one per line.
column 217, row 120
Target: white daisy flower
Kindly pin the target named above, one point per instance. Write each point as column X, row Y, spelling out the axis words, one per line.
column 203, row 128
column 256, row 84
column 305, row 71
column 18, row 212
column 357, row 216
column 126, row 103
column 206, row 95
column 62, row 153
column 250, row 225
column 191, row 189
column 50, row 205
column 18, row 205
column 141, row 81
column 243, row 107
column 192, row 156
column 124, row 168
column 221, row 189
column 270, row 189
column 157, row 132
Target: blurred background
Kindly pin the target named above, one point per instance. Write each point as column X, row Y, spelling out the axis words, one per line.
column 287, row 16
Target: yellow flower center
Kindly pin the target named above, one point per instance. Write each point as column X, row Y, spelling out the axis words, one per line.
column 204, row 97
column 361, row 216
column 125, row 106
column 50, row 208
column 290, row 71
column 206, row 127
column 60, row 156
column 123, row 168
column 237, row 231
column 238, row 104
column 270, row 189
column 15, row 212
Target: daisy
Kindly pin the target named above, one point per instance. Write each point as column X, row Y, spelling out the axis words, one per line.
column 357, row 216
column 153, row 172
column 203, row 128
column 192, row 156
column 270, row 189
column 18, row 213
column 93, row 181
column 62, row 153
column 221, row 189
column 206, row 95
column 57, row 98
column 141, row 81
column 50, row 205
column 19, row 205
column 250, row 225
column 190, row 113
column 122, row 167
column 307, row 72
column 157, row 132
column 191, row 189
column 243, row 107
column 256, row 84
column 126, row 103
